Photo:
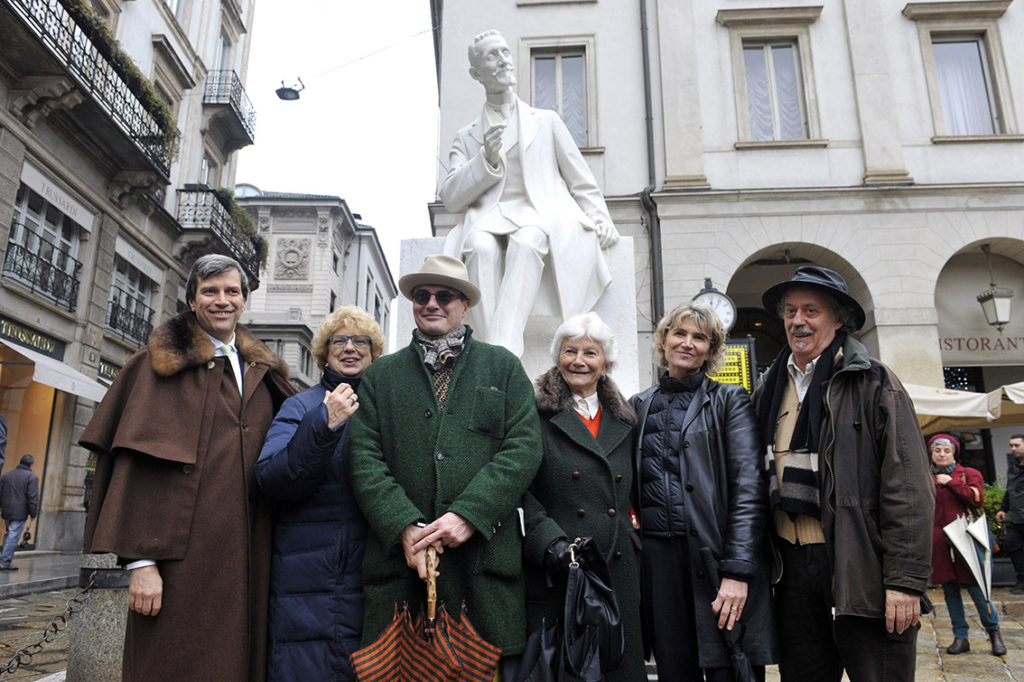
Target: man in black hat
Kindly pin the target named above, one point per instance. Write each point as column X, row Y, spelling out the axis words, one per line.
column 850, row 491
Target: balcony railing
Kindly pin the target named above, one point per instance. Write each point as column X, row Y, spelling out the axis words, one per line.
column 200, row 209
column 224, row 87
column 129, row 317
column 44, row 269
column 56, row 29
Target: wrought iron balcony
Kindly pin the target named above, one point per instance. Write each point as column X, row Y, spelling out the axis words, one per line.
column 45, row 270
column 109, row 97
column 224, row 88
column 129, row 317
column 201, row 214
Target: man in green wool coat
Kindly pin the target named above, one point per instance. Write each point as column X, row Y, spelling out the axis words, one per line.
column 444, row 444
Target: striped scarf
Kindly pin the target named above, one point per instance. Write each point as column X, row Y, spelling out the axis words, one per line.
column 799, row 490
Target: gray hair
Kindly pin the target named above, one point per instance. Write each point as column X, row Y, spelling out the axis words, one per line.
column 586, row 326
column 472, row 51
column 844, row 314
column 211, row 265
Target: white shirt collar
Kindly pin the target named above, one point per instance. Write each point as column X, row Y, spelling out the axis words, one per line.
column 801, row 378
column 589, row 403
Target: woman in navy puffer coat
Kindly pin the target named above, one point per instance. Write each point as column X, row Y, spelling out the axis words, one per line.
column 316, row 590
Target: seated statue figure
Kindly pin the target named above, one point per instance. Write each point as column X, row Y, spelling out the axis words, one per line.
column 535, row 222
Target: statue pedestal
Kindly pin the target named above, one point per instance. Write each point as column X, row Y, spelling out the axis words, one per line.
column 617, row 307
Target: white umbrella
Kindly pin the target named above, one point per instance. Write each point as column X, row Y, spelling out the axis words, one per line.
column 978, row 530
column 973, row 550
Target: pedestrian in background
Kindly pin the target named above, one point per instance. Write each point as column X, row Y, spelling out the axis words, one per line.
column 958, row 490
column 3, row 440
column 19, row 501
column 1011, row 511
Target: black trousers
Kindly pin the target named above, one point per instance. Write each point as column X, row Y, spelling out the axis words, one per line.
column 1014, row 546
column 817, row 647
column 668, row 597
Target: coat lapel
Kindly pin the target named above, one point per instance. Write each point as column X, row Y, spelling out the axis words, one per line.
column 609, row 436
column 699, row 400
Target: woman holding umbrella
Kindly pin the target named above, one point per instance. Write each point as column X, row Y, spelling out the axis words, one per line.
column 958, row 490
column 584, row 482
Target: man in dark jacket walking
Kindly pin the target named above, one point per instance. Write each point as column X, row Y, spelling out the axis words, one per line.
column 19, row 501
column 1012, row 509
column 850, row 491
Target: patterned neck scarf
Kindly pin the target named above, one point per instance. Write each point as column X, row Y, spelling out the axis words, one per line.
column 441, row 351
column 943, row 470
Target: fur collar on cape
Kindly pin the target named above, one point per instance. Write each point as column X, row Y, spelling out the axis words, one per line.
column 180, row 343
column 553, row 395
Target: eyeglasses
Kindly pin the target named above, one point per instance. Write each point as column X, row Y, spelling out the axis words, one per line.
column 340, row 340
column 443, row 297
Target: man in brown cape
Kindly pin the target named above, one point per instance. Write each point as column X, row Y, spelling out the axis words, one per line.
column 175, row 496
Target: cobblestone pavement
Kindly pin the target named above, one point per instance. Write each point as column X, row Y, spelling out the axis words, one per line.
column 23, row 620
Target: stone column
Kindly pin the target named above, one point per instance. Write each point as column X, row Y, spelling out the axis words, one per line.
column 873, row 90
column 680, row 95
column 97, row 631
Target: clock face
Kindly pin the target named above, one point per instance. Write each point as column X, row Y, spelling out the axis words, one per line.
column 722, row 305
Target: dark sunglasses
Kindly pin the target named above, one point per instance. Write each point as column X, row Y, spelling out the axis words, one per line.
column 340, row 340
column 443, row 298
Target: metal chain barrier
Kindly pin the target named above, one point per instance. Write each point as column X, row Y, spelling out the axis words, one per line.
column 57, row 624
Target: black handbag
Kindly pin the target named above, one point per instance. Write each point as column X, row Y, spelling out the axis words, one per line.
column 592, row 638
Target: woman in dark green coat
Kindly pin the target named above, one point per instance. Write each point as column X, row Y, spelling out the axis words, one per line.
column 583, row 486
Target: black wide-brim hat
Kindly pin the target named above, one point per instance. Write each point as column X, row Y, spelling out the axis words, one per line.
column 815, row 277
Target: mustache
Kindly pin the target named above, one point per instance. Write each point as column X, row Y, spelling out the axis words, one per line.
column 800, row 329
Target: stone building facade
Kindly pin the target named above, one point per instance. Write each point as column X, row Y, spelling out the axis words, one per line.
column 321, row 257
column 737, row 140
column 108, row 192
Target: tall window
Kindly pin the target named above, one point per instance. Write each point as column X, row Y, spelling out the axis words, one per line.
column 209, row 172
column 965, row 69
column 773, row 81
column 969, row 105
column 223, row 60
column 775, row 100
column 559, row 84
column 130, row 304
column 43, row 249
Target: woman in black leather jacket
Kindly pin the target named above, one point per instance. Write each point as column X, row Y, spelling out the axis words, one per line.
column 703, row 508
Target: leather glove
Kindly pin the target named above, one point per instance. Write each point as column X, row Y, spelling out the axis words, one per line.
column 556, row 558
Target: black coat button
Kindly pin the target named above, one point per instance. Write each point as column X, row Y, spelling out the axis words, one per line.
column 439, row 456
column 188, row 468
column 693, row 532
column 617, row 555
column 581, row 512
column 428, row 414
column 611, row 512
column 575, row 474
column 686, row 443
column 689, row 487
column 618, row 479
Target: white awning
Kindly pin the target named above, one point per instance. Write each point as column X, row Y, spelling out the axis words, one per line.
column 59, row 375
column 941, row 409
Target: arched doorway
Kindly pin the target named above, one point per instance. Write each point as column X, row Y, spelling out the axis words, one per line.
column 775, row 264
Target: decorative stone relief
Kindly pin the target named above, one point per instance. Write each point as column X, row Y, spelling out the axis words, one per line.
column 323, row 222
column 37, row 97
column 292, row 259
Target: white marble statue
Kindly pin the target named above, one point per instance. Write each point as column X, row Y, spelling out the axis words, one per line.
column 530, row 203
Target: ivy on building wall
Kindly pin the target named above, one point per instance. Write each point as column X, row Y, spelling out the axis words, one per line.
column 99, row 33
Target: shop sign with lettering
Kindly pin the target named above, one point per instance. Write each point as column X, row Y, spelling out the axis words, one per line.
column 30, row 338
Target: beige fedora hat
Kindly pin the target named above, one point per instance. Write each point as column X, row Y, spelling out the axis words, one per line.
column 441, row 270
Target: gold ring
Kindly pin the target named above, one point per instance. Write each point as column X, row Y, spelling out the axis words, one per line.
column 734, row 609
